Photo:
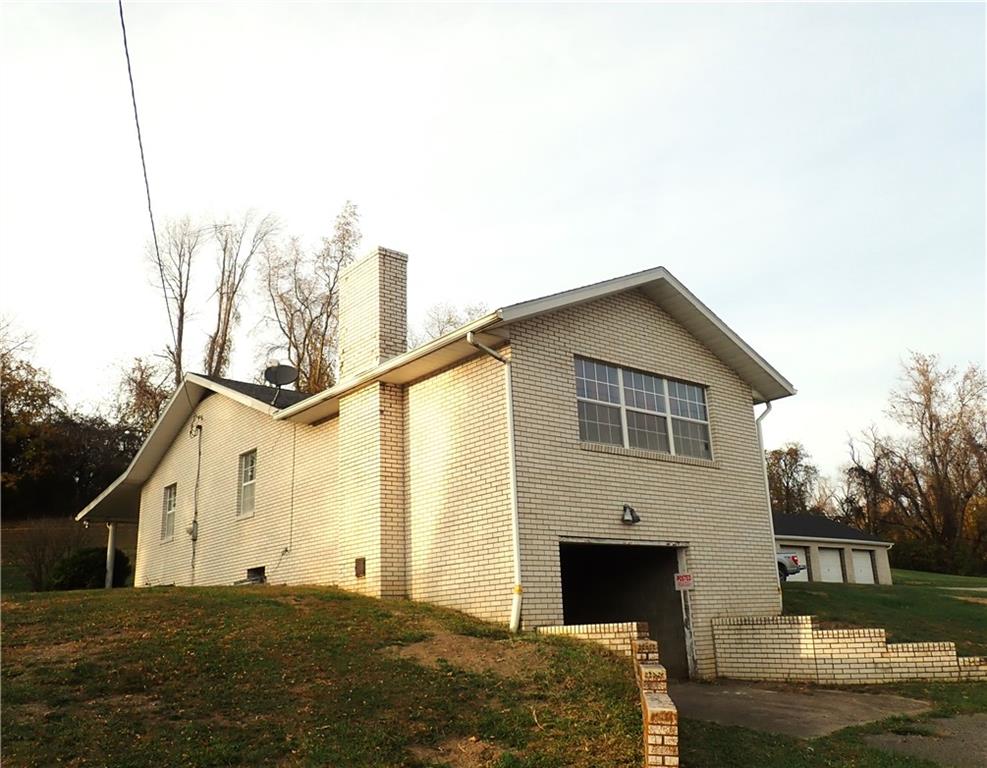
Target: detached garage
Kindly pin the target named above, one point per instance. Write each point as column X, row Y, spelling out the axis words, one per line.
column 834, row 552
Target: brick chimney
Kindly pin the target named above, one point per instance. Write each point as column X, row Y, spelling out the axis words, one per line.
column 373, row 314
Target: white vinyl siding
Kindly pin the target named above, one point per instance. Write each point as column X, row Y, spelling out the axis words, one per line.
column 169, row 503
column 247, row 484
column 863, row 566
column 633, row 409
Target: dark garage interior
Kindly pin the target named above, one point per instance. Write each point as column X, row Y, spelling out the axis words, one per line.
column 609, row 583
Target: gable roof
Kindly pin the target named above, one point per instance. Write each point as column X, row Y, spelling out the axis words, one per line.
column 259, row 392
column 120, row 502
column 818, row 527
column 493, row 329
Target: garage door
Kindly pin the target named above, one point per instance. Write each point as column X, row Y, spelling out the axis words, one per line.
column 803, row 557
column 830, row 564
column 863, row 566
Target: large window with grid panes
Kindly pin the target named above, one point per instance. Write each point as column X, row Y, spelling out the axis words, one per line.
column 634, row 409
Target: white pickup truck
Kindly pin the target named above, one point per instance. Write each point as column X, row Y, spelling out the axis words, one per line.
column 788, row 565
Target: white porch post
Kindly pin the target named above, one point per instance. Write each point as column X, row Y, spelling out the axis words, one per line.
column 111, row 544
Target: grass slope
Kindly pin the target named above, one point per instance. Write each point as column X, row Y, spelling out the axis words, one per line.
column 915, row 609
column 287, row 677
column 308, row 677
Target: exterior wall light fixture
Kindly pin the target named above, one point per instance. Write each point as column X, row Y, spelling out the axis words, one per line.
column 630, row 516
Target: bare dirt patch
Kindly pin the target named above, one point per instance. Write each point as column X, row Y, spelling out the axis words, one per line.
column 304, row 604
column 975, row 600
column 72, row 650
column 509, row 658
column 460, row 753
column 28, row 712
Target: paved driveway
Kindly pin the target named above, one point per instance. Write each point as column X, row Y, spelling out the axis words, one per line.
column 789, row 709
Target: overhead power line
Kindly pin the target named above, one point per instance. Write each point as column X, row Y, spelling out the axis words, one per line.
column 150, row 209
column 147, row 186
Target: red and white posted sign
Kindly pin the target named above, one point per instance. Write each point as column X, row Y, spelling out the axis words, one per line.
column 683, row 582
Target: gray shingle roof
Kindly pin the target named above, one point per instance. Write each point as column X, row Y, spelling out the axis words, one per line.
column 260, row 392
column 818, row 527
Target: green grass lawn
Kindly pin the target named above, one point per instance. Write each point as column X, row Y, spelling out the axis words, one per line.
column 258, row 676
column 290, row 677
column 915, row 609
column 926, row 579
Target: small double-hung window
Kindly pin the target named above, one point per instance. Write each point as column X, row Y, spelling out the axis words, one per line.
column 169, row 504
column 247, row 484
column 633, row 409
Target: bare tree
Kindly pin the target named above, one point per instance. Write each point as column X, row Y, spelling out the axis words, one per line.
column 937, row 472
column 14, row 343
column 304, row 294
column 173, row 265
column 238, row 243
column 442, row 318
column 862, row 500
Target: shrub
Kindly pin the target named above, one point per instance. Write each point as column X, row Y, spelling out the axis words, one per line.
column 86, row 569
column 38, row 545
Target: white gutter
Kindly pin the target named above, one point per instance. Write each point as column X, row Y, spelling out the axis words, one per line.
column 515, row 619
column 780, row 538
column 390, row 365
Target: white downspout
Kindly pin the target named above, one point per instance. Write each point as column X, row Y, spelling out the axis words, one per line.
column 767, row 492
column 515, row 620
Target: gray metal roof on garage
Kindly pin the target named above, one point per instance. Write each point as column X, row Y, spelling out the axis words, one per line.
column 819, row 527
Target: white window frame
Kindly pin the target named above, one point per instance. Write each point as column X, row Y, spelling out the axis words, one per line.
column 241, row 484
column 169, row 512
column 667, row 415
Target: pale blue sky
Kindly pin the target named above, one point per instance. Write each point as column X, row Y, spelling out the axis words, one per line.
column 814, row 173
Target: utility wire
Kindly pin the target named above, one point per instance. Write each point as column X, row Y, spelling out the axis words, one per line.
column 147, row 186
column 147, row 190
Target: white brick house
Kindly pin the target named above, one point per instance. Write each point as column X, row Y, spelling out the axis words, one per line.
column 492, row 470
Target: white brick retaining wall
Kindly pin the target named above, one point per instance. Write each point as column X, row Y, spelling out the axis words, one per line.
column 791, row 648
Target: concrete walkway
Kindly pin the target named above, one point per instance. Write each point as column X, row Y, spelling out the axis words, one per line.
column 959, row 742
column 793, row 710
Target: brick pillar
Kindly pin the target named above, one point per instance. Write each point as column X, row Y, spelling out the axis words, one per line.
column 370, row 485
column 851, row 575
column 815, row 569
column 373, row 315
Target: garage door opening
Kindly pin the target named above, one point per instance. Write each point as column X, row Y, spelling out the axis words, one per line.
column 863, row 566
column 831, row 565
column 610, row 583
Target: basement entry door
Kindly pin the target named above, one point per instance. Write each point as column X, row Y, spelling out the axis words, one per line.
column 831, row 564
column 617, row 582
